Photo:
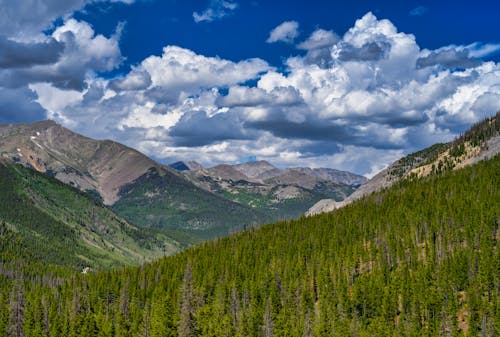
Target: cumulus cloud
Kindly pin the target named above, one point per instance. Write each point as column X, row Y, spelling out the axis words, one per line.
column 182, row 69
column 318, row 46
column 37, row 56
column 449, row 58
column 354, row 102
column 15, row 54
column 28, row 18
column 216, row 10
column 319, row 39
column 286, row 32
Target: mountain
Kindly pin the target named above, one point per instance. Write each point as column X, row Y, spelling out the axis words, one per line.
column 183, row 210
column 480, row 142
column 44, row 220
column 255, row 169
column 141, row 190
column 278, row 194
column 227, row 172
column 99, row 167
column 420, row 258
column 340, row 177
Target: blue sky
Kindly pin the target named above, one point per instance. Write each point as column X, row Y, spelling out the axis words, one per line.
column 347, row 84
column 151, row 25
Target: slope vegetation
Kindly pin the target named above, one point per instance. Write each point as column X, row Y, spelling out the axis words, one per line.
column 418, row 259
column 43, row 220
column 480, row 142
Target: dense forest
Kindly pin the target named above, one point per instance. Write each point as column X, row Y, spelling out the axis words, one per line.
column 43, row 220
column 418, row 259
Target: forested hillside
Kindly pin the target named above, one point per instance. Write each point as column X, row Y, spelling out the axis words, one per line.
column 418, row 259
column 481, row 141
column 45, row 221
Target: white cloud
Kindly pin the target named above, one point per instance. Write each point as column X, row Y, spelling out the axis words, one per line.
column 357, row 103
column 215, row 11
column 286, row 32
column 480, row 50
column 320, row 38
column 35, row 63
column 84, row 54
column 182, row 69
column 26, row 19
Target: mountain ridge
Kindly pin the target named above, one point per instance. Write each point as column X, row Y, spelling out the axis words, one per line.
column 480, row 142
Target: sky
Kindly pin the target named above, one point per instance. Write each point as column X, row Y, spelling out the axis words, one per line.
column 352, row 85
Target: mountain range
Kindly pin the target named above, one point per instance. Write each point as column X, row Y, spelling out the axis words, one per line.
column 185, row 201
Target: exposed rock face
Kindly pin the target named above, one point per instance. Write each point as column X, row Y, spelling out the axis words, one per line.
column 342, row 177
column 88, row 164
column 227, row 172
column 262, row 185
column 256, row 169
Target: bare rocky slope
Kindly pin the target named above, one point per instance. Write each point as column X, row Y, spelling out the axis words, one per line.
column 481, row 142
column 281, row 193
column 87, row 164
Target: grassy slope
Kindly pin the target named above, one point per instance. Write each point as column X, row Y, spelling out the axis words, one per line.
column 46, row 221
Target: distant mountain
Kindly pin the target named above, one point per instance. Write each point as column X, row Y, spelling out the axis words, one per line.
column 189, row 203
column 341, row 177
column 186, row 166
column 189, row 213
column 480, row 142
column 280, row 194
column 256, row 169
column 227, row 172
column 44, row 220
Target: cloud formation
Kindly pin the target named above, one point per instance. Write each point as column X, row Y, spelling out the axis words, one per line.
column 355, row 102
column 28, row 18
column 217, row 9
column 286, row 32
column 32, row 58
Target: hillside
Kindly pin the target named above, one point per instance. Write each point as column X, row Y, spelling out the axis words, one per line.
column 480, row 142
column 418, row 259
column 184, row 211
column 43, row 220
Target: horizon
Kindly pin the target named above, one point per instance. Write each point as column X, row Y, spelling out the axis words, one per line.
column 309, row 86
